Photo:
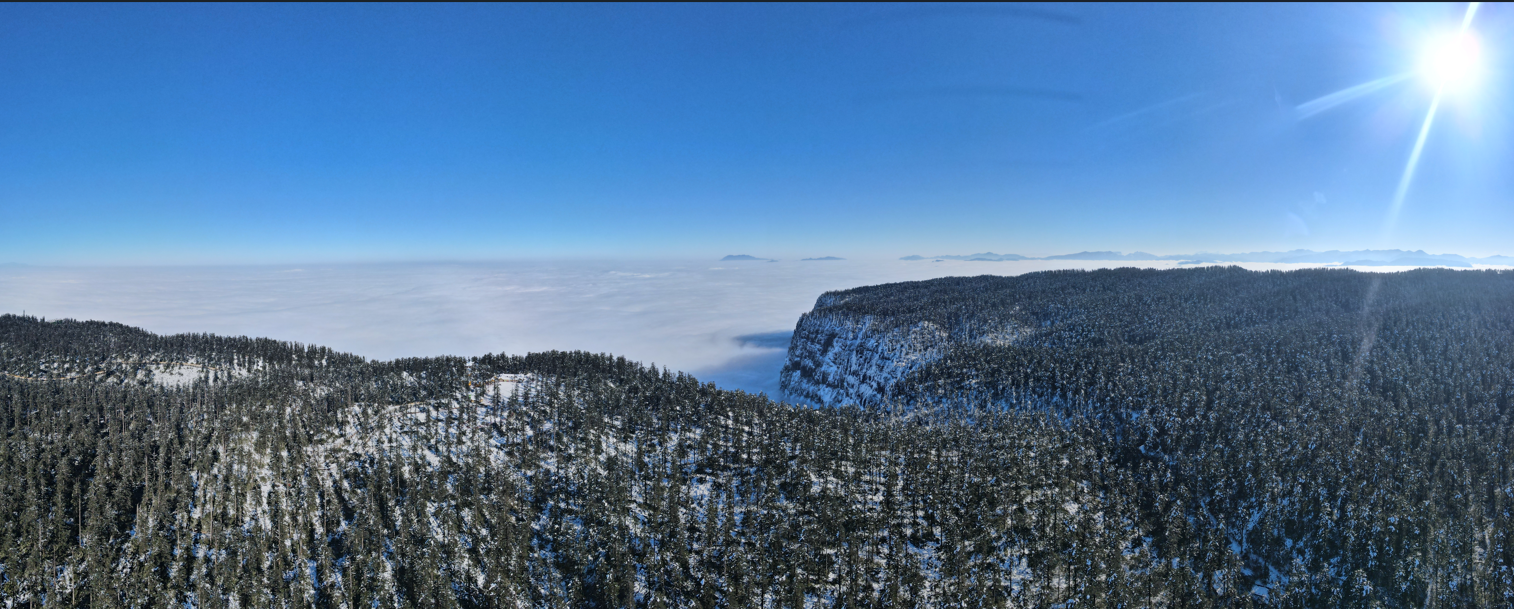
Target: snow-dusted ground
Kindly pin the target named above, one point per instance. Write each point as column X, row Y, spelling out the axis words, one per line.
column 695, row 316
column 159, row 372
column 847, row 360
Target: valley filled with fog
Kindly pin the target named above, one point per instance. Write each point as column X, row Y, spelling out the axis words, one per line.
column 724, row 322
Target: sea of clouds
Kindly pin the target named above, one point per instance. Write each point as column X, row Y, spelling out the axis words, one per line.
column 725, row 322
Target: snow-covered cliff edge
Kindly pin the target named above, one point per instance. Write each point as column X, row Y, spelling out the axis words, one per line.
column 839, row 356
column 836, row 359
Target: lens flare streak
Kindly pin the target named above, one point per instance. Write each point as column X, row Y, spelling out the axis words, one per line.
column 1419, row 147
column 1407, row 178
column 1321, row 104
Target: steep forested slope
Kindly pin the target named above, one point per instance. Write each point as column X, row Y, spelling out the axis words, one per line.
column 285, row 475
column 1207, row 437
column 1344, row 429
column 1011, row 341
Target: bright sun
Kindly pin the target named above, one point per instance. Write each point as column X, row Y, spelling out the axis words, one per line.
column 1451, row 62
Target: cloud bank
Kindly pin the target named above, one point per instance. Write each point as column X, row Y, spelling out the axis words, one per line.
column 726, row 323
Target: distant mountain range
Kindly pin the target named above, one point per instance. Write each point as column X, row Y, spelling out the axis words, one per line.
column 820, row 258
column 1348, row 258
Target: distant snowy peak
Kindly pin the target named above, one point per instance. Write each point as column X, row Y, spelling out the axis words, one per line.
column 1345, row 258
column 1348, row 258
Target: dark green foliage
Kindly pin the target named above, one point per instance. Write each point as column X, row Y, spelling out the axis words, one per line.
column 1198, row 438
column 1324, row 434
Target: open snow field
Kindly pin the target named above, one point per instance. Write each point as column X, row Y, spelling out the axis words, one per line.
column 725, row 322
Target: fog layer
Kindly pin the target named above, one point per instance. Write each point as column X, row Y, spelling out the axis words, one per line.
column 726, row 322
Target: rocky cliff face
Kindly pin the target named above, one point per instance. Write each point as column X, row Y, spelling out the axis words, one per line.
column 838, row 356
column 836, row 359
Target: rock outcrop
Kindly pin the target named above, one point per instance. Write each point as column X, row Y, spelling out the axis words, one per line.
column 838, row 356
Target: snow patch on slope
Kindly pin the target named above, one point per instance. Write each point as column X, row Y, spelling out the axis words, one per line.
column 836, row 359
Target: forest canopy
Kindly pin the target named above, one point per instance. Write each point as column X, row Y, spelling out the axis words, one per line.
column 1196, row 437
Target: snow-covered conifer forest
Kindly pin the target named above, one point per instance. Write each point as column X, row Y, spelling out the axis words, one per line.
column 1209, row 437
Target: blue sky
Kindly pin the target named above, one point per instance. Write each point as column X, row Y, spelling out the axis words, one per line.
column 330, row 133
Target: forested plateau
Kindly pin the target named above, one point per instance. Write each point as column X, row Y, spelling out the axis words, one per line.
column 1209, row 437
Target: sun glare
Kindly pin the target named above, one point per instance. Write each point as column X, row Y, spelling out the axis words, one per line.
column 1451, row 62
